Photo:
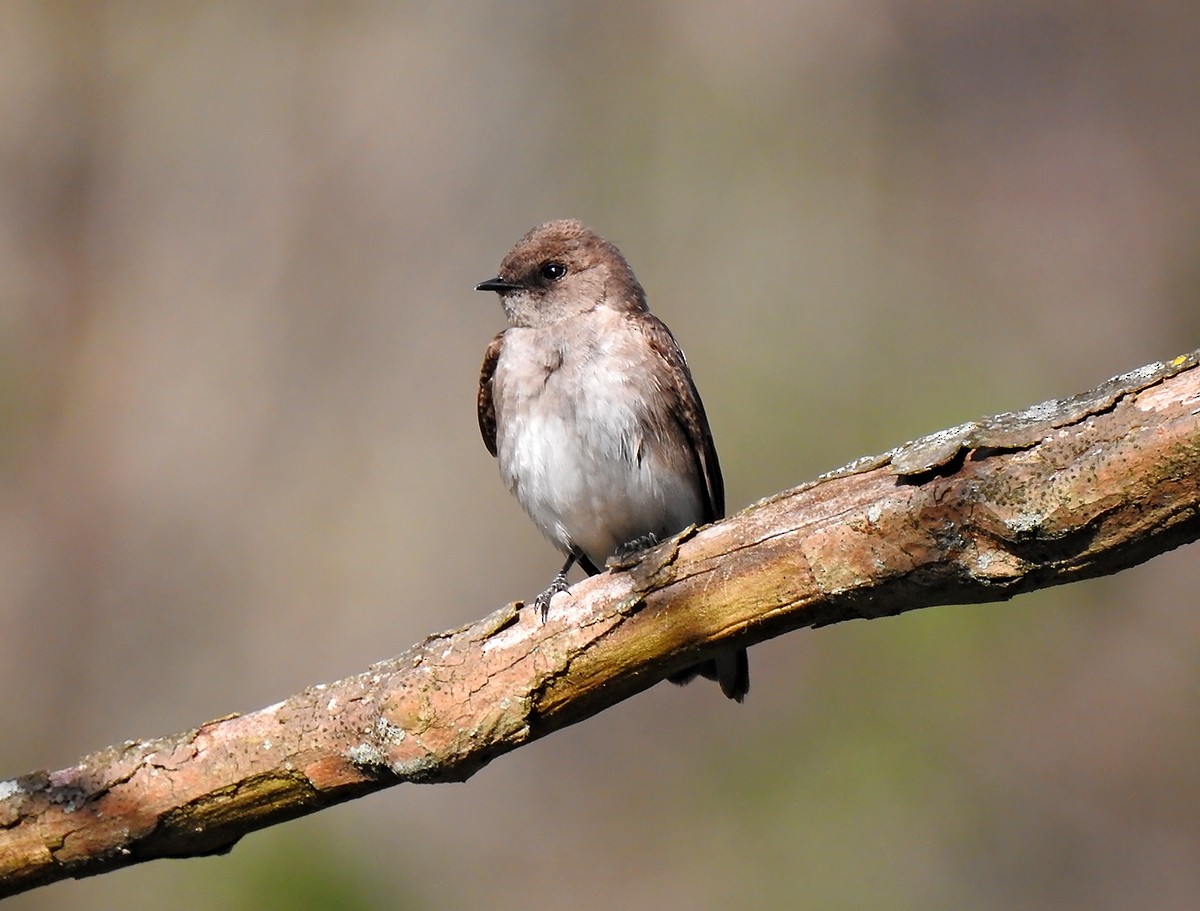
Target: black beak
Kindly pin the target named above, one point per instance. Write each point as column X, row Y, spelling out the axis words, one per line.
column 499, row 285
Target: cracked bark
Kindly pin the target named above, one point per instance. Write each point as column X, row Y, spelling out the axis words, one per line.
column 1061, row 491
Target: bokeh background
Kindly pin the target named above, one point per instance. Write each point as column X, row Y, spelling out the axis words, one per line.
column 238, row 451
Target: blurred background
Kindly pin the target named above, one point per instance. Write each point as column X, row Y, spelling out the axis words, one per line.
column 238, row 451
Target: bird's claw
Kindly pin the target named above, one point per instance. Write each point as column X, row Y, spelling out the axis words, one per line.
column 542, row 601
column 636, row 546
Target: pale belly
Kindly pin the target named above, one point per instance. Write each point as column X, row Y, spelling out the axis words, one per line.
column 580, row 457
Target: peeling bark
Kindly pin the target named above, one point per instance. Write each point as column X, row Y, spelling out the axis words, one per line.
column 1061, row 491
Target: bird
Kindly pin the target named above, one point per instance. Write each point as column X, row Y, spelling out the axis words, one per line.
column 587, row 403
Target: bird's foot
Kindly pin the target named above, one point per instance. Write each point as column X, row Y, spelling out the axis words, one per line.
column 636, row 546
column 542, row 601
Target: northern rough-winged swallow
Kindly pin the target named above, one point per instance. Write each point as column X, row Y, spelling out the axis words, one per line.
column 588, row 405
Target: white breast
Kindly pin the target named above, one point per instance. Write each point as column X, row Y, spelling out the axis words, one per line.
column 576, row 449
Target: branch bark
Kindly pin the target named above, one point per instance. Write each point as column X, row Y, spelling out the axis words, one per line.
column 1061, row 491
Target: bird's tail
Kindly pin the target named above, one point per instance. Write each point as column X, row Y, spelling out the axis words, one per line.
column 730, row 669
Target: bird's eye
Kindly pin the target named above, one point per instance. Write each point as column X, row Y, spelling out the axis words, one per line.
column 552, row 272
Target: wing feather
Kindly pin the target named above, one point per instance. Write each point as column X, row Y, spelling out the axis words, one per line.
column 687, row 411
column 485, row 403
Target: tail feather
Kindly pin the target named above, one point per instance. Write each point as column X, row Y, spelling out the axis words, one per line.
column 730, row 669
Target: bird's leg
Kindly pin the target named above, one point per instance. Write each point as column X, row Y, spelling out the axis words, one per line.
column 559, row 584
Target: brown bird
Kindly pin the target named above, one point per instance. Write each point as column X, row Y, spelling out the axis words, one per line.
column 590, row 409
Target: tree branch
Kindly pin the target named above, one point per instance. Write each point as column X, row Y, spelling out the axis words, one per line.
column 1062, row 491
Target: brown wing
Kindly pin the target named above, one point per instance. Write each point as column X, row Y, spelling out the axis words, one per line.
column 688, row 411
column 484, row 402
